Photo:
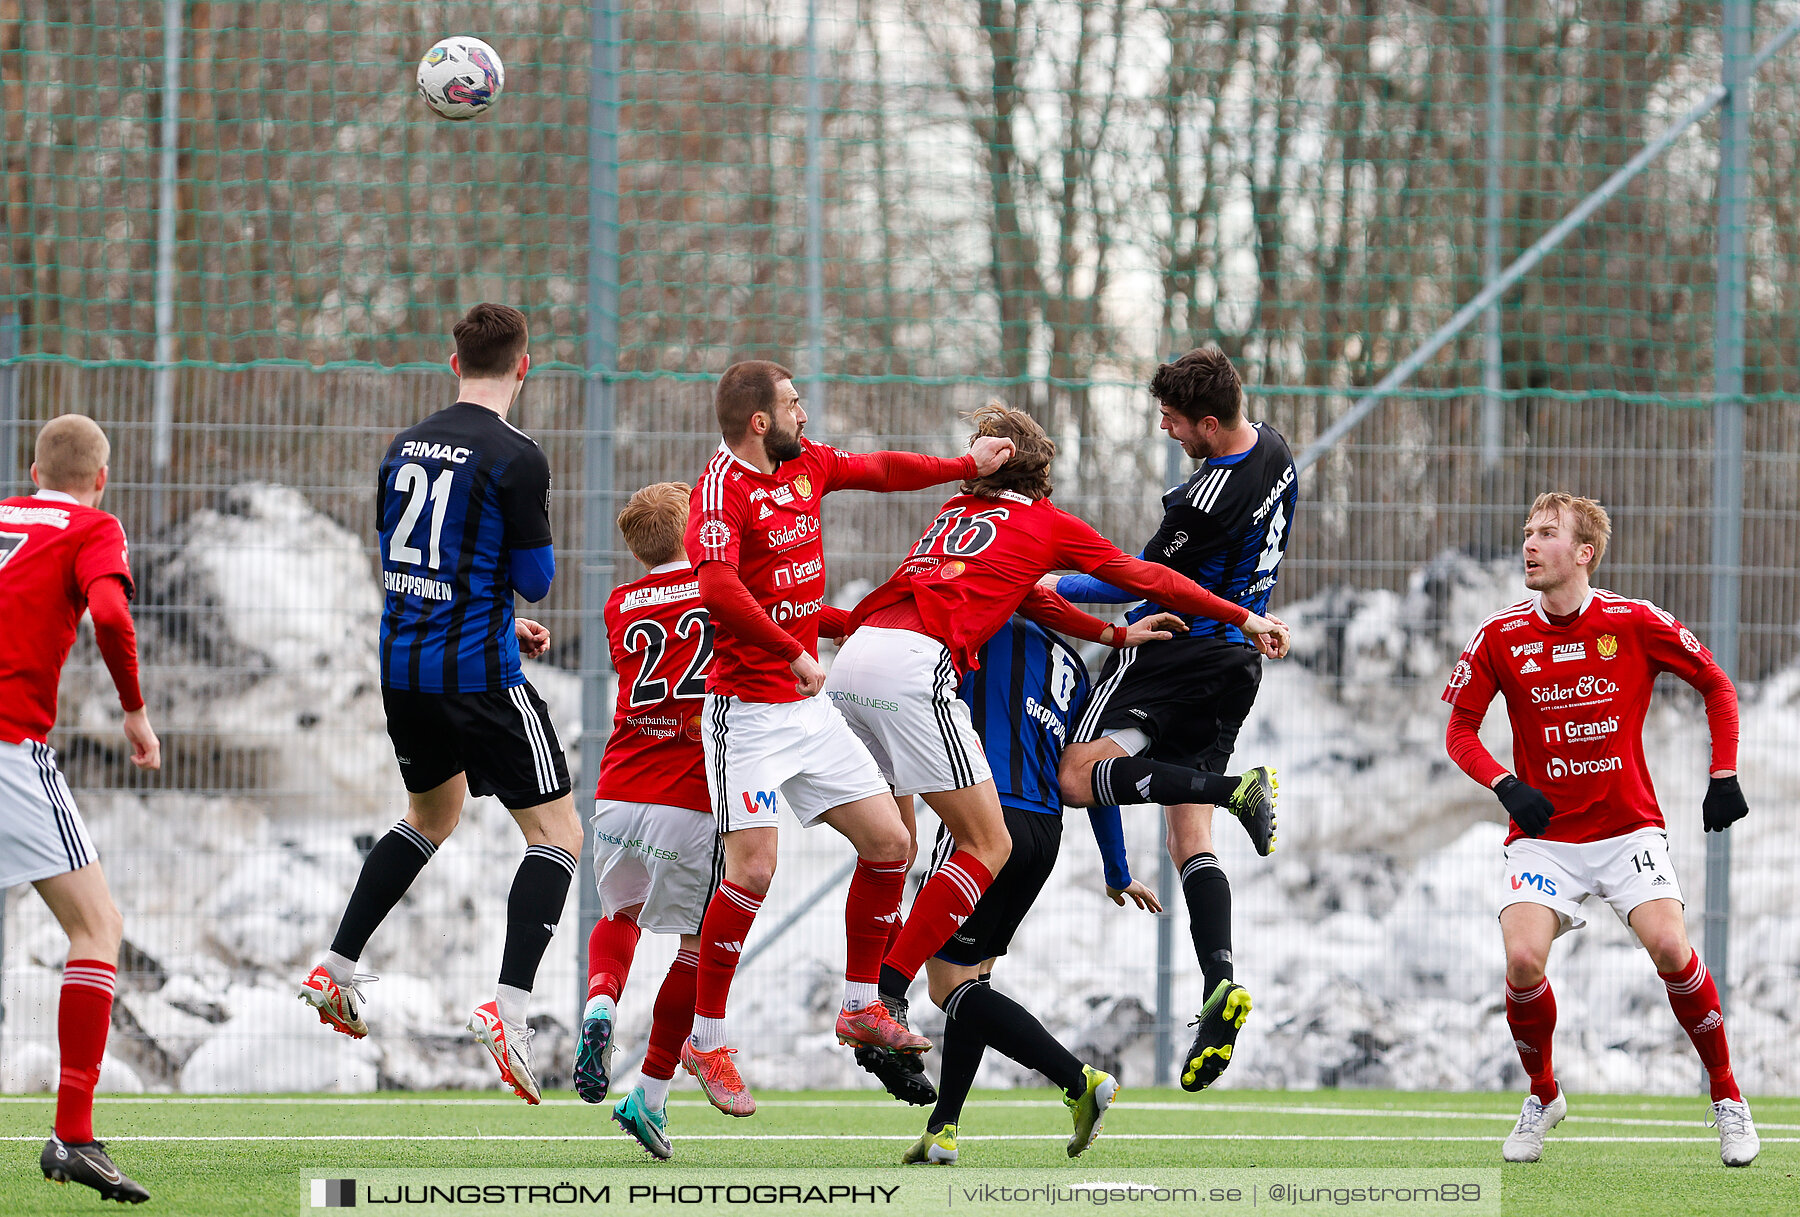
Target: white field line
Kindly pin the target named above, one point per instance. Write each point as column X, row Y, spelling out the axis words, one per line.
column 899, row 1138
column 889, row 1106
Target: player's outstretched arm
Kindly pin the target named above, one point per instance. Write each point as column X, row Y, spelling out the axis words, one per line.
column 117, row 639
column 898, row 471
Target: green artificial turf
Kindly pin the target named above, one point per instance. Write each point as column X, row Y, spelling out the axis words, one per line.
column 1615, row 1154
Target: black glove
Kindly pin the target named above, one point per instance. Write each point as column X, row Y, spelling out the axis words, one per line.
column 1527, row 806
column 1724, row 805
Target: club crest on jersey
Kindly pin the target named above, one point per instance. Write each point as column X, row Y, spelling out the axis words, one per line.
column 952, row 569
column 693, row 728
column 715, row 533
column 803, row 486
column 1689, row 641
column 1607, row 646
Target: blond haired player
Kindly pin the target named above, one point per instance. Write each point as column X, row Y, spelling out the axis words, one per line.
column 60, row 557
column 1575, row 666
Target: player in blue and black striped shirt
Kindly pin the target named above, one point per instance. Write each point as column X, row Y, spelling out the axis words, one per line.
column 462, row 510
column 1183, row 701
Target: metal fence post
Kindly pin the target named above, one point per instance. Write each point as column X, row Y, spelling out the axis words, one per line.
column 1492, row 406
column 10, row 478
column 162, row 436
column 598, row 424
column 815, row 223
column 1728, row 435
column 1165, row 889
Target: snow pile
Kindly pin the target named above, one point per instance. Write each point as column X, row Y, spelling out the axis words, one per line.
column 1369, row 940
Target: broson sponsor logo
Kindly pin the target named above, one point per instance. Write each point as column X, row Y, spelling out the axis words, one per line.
column 1559, row 768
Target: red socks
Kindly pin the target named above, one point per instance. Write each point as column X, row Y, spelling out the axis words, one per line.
column 938, row 911
column 722, row 933
column 82, row 1017
column 611, row 946
column 1531, row 1014
column 871, row 914
column 1695, row 1000
column 673, row 1017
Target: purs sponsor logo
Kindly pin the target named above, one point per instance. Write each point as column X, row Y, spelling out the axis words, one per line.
column 1566, row 651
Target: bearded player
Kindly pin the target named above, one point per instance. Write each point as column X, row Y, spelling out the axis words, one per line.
column 896, row 682
column 1575, row 666
column 60, row 557
column 771, row 743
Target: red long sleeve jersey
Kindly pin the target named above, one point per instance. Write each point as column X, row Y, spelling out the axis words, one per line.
column 52, row 549
column 978, row 561
column 1576, row 696
column 661, row 643
column 765, row 526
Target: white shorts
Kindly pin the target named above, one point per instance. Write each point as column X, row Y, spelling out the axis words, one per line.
column 41, row 833
column 667, row 859
column 897, row 690
column 763, row 756
column 1623, row 871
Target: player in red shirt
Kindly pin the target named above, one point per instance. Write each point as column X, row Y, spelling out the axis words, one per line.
column 60, row 557
column 656, row 847
column 1576, row 666
column 896, row 681
column 753, row 530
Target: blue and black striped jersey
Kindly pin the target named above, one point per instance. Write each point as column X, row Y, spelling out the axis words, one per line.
column 1024, row 698
column 1227, row 527
column 458, row 494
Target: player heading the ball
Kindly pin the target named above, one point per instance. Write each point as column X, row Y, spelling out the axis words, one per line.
column 462, row 505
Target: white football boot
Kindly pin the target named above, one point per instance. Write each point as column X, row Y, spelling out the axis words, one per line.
column 1738, row 1142
column 1526, row 1144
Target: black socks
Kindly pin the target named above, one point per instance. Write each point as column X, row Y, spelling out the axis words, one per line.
column 1208, row 894
column 533, row 907
column 387, row 872
column 1003, row 1023
column 1124, row 780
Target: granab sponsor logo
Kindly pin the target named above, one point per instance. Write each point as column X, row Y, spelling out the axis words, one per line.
column 1587, row 686
column 1528, row 648
column 1579, row 732
column 1567, row 651
column 1559, row 768
column 799, row 572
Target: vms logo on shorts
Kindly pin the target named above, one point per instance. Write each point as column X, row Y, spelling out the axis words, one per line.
column 1540, row 882
column 756, row 802
column 715, row 533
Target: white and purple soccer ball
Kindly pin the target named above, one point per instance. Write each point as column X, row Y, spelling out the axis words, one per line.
column 461, row 77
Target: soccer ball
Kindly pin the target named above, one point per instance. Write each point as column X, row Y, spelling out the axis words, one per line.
column 460, row 77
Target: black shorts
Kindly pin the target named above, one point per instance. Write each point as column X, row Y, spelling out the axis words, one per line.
column 502, row 740
column 1189, row 696
column 1036, row 838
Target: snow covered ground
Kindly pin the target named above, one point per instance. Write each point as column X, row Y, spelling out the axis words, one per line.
column 1368, row 941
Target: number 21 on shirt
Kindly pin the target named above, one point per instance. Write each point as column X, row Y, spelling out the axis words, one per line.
column 412, row 480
